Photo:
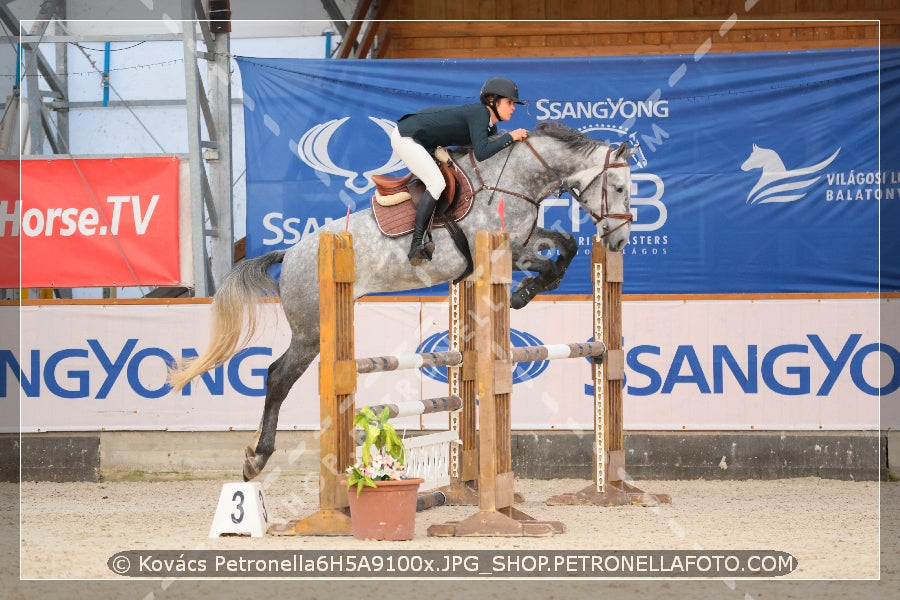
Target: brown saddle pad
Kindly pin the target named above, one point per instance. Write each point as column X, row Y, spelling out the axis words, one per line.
column 398, row 220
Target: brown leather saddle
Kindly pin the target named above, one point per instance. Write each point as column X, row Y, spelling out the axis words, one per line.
column 395, row 200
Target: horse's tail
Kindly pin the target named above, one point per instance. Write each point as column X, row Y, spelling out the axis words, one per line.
column 241, row 291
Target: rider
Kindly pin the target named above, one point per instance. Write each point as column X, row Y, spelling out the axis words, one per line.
column 418, row 135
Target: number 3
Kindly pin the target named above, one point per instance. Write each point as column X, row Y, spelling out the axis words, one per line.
column 239, row 497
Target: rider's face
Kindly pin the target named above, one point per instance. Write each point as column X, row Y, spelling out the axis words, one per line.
column 505, row 108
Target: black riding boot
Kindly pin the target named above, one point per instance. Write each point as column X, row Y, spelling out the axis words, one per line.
column 418, row 250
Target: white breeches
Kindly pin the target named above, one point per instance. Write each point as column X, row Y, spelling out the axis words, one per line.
column 419, row 161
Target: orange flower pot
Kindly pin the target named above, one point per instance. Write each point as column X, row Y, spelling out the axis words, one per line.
column 386, row 512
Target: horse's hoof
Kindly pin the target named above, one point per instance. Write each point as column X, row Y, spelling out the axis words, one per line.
column 250, row 471
column 253, row 463
column 524, row 294
column 516, row 301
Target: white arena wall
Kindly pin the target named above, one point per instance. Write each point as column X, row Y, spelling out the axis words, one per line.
column 691, row 365
column 714, row 388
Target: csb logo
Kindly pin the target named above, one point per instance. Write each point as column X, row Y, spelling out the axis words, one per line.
column 647, row 207
column 522, row 372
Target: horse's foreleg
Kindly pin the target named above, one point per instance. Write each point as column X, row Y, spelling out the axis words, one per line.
column 549, row 272
column 526, row 260
column 283, row 373
column 568, row 249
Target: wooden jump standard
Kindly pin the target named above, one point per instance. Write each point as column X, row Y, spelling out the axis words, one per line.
column 610, row 486
column 494, row 368
column 338, row 370
column 497, row 516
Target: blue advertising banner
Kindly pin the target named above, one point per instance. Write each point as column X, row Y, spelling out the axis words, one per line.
column 757, row 172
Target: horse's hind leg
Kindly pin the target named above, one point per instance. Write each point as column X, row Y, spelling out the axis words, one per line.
column 283, row 373
column 549, row 272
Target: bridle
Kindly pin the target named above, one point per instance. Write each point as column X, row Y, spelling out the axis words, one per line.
column 557, row 189
column 604, row 195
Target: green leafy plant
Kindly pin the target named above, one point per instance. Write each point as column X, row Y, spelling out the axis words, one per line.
column 388, row 459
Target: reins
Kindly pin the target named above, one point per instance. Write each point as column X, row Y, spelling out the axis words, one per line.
column 493, row 189
column 483, row 186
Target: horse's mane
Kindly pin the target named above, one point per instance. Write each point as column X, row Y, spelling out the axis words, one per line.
column 574, row 139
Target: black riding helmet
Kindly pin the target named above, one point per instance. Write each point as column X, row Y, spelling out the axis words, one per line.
column 500, row 87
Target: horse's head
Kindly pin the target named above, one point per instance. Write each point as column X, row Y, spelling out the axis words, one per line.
column 615, row 227
column 597, row 175
column 605, row 193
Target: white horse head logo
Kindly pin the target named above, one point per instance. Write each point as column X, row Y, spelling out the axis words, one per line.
column 776, row 180
column 313, row 150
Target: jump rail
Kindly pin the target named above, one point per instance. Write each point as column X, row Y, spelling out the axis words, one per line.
column 419, row 407
column 379, row 364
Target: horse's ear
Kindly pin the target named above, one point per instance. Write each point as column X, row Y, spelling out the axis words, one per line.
column 625, row 151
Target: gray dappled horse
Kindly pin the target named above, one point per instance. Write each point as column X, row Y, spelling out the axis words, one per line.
column 553, row 158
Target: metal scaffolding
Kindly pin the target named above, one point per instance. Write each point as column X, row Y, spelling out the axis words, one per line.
column 205, row 28
column 210, row 157
column 208, row 116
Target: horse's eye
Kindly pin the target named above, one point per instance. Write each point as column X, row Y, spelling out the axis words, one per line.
column 620, row 189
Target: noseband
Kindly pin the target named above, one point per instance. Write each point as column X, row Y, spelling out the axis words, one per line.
column 604, row 197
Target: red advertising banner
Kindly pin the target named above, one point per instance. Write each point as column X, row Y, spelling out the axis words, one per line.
column 83, row 222
column 9, row 217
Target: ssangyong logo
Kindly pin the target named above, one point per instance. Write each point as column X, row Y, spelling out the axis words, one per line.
column 313, row 150
column 777, row 183
column 522, row 372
